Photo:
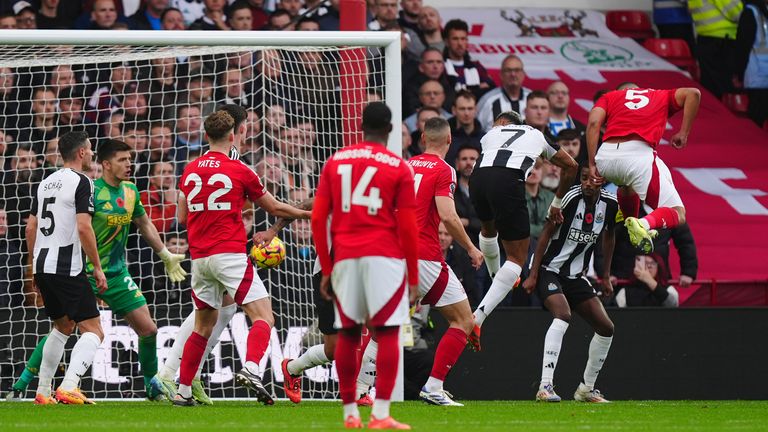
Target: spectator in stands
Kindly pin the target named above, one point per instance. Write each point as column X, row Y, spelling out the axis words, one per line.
column 751, row 58
column 40, row 126
column 463, row 72
column 161, row 197
column 239, row 16
column 52, row 159
column 19, row 183
column 456, row 257
column 7, row 21
column 104, row 15
column 136, row 135
column 431, row 95
column 149, row 16
column 408, row 17
column 107, row 98
column 113, row 127
column 231, row 82
column 308, row 24
column 191, row 9
column 465, row 129
column 424, row 114
column 62, row 76
column 172, row 19
column 48, row 16
column 550, row 176
column 384, row 12
column 26, row 18
column 71, row 115
column 559, row 99
column 716, row 23
column 134, row 103
column 537, row 112
column 163, row 88
column 538, row 200
column 213, row 17
column 648, row 285
column 94, row 171
column 9, row 105
column 291, row 6
column 570, row 141
column 329, row 20
column 274, row 121
column 431, row 67
column 6, row 141
column 673, row 20
column 298, row 159
column 189, row 136
column 157, row 288
column 465, row 163
column 271, row 171
column 200, row 91
column 11, row 267
column 252, row 144
column 281, row 20
column 511, row 96
column 259, row 17
column 159, row 149
column 431, row 28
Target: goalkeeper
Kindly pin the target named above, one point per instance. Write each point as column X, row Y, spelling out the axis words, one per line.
column 117, row 204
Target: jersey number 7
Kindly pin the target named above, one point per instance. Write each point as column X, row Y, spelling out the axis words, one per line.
column 350, row 197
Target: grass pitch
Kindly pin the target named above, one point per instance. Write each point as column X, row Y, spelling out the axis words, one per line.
column 318, row 416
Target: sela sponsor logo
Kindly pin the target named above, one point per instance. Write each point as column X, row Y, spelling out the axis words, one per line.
column 579, row 236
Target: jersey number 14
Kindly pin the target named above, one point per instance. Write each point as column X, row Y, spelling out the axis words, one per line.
column 362, row 194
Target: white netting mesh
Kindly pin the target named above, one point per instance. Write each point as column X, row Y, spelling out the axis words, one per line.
column 302, row 104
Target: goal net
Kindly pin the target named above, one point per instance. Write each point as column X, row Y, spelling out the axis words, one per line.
column 304, row 95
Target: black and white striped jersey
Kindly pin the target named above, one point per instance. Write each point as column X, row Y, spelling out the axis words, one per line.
column 570, row 248
column 498, row 101
column 514, row 146
column 59, row 198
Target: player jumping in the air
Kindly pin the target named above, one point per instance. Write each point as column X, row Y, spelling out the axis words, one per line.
column 558, row 273
column 215, row 188
column 370, row 194
column 438, row 286
column 117, row 205
column 636, row 119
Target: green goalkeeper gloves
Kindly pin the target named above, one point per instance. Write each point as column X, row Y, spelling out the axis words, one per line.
column 173, row 265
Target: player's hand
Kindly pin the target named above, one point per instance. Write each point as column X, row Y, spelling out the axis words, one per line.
column 172, row 264
column 263, row 238
column 679, row 140
column 101, row 280
column 325, row 288
column 685, row 281
column 529, row 284
column 607, row 286
column 594, row 176
column 556, row 215
column 476, row 257
column 413, row 294
column 642, row 274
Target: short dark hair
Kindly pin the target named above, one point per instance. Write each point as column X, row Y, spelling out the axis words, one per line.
column 71, row 93
column 467, row 147
column 170, row 9
column 239, row 4
column 277, row 13
column 510, row 116
column 109, row 148
column 537, row 94
column 218, row 125
column 423, row 109
column 455, row 24
column 70, row 143
column 430, row 49
column 307, row 19
column 377, row 118
column 568, row 134
column 466, row 94
column 436, row 126
column 599, row 94
column 238, row 113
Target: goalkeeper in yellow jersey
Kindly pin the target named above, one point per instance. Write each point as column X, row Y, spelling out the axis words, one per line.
column 117, row 205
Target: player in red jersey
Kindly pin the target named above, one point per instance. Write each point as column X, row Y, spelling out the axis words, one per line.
column 438, row 286
column 215, row 188
column 369, row 193
column 636, row 119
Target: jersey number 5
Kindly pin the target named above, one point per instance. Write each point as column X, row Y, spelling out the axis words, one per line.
column 636, row 99
column 212, row 203
column 46, row 213
column 350, row 197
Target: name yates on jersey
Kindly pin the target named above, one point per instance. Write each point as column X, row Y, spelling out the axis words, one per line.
column 208, row 163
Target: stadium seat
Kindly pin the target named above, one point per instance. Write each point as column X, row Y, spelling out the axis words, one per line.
column 738, row 103
column 675, row 51
column 634, row 24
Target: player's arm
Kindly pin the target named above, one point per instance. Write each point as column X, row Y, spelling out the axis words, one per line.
column 31, row 236
column 688, row 98
column 541, row 247
column 595, row 123
column 279, row 209
column 569, row 167
column 181, row 209
column 408, row 231
column 320, row 212
column 172, row 261
column 609, row 242
column 264, row 237
column 446, row 208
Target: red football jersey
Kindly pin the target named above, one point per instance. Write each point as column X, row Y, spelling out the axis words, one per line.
column 365, row 184
column 433, row 178
column 640, row 111
column 216, row 188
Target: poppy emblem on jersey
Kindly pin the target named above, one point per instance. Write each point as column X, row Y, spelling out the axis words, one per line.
column 588, row 218
column 120, row 202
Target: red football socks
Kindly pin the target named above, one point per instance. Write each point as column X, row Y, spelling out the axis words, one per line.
column 629, row 203
column 448, row 351
column 191, row 357
column 347, row 365
column 663, row 217
column 258, row 341
column 387, row 360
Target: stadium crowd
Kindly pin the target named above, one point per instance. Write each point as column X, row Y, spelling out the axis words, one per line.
column 292, row 99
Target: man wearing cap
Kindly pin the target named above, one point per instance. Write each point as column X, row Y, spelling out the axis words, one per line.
column 25, row 15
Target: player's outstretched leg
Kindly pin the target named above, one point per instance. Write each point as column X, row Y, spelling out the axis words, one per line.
column 459, row 317
column 142, row 323
column 491, row 254
column 52, row 351
column 260, row 313
column 502, row 284
column 593, row 312
column 367, row 374
column 294, row 368
column 82, row 357
column 29, row 373
column 387, row 360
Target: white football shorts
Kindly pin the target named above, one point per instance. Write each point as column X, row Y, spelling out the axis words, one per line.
column 438, row 284
column 231, row 273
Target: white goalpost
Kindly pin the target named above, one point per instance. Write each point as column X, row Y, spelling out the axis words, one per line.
column 304, row 93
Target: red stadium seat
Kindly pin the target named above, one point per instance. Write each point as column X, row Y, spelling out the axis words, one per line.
column 738, row 103
column 675, row 51
column 634, row 24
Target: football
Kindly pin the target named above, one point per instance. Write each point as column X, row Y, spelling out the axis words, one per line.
column 269, row 256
